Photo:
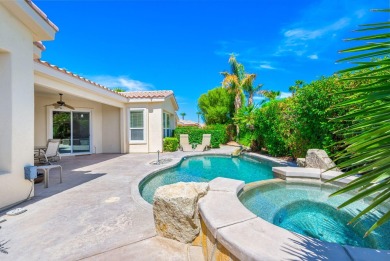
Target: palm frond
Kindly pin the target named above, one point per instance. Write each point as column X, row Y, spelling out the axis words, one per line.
column 367, row 140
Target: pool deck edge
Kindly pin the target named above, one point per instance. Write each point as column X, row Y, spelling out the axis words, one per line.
column 252, row 238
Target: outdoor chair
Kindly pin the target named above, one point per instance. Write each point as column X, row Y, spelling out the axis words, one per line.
column 184, row 143
column 206, row 140
column 51, row 153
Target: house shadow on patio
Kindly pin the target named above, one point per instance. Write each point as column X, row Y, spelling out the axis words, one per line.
column 76, row 170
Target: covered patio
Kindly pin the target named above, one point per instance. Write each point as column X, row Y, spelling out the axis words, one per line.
column 95, row 214
column 97, row 112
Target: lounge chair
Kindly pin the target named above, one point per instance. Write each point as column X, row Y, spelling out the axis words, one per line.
column 205, row 143
column 50, row 154
column 184, row 143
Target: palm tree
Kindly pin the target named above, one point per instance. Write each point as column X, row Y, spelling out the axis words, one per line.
column 368, row 139
column 182, row 115
column 249, row 90
column 235, row 81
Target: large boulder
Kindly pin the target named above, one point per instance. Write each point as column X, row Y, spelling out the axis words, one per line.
column 301, row 162
column 175, row 210
column 316, row 158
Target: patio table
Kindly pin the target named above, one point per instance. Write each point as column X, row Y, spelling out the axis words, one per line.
column 46, row 170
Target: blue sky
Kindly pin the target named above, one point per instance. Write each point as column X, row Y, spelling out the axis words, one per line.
column 183, row 45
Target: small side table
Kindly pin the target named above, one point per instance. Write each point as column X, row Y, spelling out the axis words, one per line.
column 46, row 170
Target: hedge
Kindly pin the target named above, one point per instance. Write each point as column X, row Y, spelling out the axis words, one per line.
column 291, row 126
column 171, row 144
column 195, row 135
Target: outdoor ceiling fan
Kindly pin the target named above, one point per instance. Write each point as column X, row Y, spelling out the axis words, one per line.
column 61, row 103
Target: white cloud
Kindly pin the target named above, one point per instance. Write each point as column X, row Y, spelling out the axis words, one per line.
column 259, row 98
column 267, row 66
column 301, row 34
column 285, row 95
column 313, row 57
column 122, row 82
column 299, row 39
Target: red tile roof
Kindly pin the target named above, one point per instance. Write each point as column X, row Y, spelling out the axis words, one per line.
column 187, row 123
column 75, row 76
column 147, row 94
column 41, row 14
column 40, row 45
column 130, row 95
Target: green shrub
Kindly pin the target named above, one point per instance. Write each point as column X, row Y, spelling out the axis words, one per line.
column 223, row 132
column 291, row 126
column 216, row 106
column 171, row 144
column 310, row 113
column 270, row 131
column 195, row 135
column 245, row 138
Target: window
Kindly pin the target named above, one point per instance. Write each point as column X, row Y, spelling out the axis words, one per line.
column 167, row 131
column 137, row 125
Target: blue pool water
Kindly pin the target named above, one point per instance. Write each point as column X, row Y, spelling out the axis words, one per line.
column 206, row 168
column 306, row 209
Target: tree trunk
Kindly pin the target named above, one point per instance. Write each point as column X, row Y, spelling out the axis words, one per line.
column 237, row 105
column 250, row 99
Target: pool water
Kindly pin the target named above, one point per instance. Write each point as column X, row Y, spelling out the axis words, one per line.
column 306, row 209
column 207, row 168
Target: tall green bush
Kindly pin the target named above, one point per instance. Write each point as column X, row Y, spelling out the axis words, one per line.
column 269, row 128
column 216, row 106
column 309, row 113
column 291, row 126
column 195, row 135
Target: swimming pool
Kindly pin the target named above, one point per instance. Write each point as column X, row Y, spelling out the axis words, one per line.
column 305, row 208
column 205, row 169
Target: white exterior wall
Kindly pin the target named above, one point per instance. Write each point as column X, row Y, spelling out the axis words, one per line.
column 111, row 133
column 17, row 108
column 155, row 128
column 153, row 124
column 168, row 107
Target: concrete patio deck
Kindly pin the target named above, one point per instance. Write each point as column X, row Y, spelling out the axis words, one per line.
column 95, row 214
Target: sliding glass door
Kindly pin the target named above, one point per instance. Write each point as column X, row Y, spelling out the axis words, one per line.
column 73, row 128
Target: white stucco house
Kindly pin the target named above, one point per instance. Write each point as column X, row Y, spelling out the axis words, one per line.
column 103, row 121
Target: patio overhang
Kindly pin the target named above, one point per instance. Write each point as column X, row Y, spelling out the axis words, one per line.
column 61, row 81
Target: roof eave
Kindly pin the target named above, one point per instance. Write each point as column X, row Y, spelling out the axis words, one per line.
column 67, row 76
column 33, row 18
column 174, row 101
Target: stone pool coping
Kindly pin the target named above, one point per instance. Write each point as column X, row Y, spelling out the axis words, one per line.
column 249, row 237
column 311, row 173
column 135, row 193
